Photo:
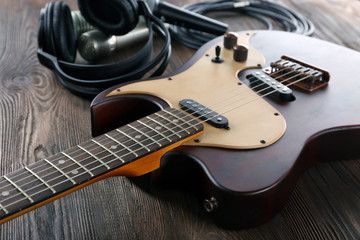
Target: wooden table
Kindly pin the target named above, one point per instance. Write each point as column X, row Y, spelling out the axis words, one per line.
column 39, row 117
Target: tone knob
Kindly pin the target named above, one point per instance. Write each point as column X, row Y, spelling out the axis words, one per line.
column 240, row 53
column 230, row 40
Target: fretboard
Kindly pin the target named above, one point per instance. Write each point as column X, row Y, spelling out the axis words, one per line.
column 84, row 162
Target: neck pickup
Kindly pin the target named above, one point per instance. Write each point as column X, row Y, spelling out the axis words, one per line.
column 206, row 114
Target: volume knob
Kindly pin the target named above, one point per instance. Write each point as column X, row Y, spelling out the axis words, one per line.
column 240, row 53
column 230, row 40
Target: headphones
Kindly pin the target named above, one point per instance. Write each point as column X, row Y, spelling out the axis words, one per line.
column 57, row 38
column 57, row 44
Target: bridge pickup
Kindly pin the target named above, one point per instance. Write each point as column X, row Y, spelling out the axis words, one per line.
column 297, row 73
column 207, row 115
column 266, row 85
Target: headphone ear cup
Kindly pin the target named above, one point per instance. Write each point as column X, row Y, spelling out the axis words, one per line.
column 113, row 17
column 44, row 35
column 63, row 31
column 57, row 33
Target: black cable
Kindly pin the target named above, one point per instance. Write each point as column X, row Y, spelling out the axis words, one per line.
column 261, row 10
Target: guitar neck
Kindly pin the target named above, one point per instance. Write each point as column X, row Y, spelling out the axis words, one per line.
column 116, row 153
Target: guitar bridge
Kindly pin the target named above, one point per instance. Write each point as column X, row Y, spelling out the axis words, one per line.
column 297, row 73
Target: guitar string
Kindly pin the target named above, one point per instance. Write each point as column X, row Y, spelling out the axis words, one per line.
column 46, row 189
column 266, row 94
column 257, row 96
column 233, row 89
column 82, row 153
column 83, row 159
column 102, row 142
column 203, row 121
column 53, row 186
column 74, row 156
column 246, row 96
column 251, row 94
column 116, row 159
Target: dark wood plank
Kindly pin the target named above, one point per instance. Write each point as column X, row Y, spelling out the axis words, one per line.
column 38, row 118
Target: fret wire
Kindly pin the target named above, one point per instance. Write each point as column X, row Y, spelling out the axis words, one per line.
column 117, row 157
column 145, row 135
column 80, row 165
column 161, row 134
column 91, row 169
column 146, row 125
column 59, row 183
column 180, row 119
column 183, row 119
column 38, row 177
column 164, row 126
column 106, row 149
column 133, row 139
column 18, row 188
column 60, row 171
column 125, row 146
column 4, row 209
column 172, row 122
column 136, row 155
column 158, row 132
column 94, row 156
column 56, row 178
column 89, row 153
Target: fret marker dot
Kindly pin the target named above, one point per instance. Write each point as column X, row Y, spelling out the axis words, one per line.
column 5, row 193
column 138, row 136
column 113, row 147
column 74, row 172
column 61, row 161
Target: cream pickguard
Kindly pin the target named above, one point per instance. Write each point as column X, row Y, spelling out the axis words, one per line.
column 253, row 122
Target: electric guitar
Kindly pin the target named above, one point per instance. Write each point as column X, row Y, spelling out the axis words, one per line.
column 238, row 124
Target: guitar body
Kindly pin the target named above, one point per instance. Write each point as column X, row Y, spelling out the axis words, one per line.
column 244, row 185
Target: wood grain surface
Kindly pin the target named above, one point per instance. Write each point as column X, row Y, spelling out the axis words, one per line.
column 38, row 118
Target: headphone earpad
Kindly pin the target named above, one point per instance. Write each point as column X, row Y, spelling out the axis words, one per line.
column 57, row 32
column 64, row 32
column 113, row 17
column 44, row 38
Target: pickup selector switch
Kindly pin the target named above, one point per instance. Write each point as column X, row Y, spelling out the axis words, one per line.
column 240, row 53
column 217, row 59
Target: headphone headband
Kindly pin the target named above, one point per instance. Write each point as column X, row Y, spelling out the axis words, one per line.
column 113, row 17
